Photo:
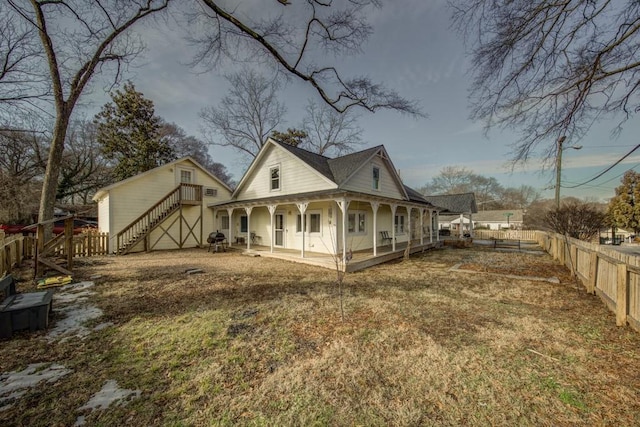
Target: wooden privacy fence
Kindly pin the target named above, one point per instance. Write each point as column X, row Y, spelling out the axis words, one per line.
column 15, row 248
column 12, row 252
column 86, row 244
column 505, row 234
column 612, row 275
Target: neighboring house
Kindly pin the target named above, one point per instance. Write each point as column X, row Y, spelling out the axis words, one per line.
column 492, row 220
column 460, row 207
column 499, row 219
column 163, row 208
column 290, row 198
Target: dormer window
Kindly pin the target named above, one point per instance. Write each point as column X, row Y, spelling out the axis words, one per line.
column 274, row 172
column 376, row 178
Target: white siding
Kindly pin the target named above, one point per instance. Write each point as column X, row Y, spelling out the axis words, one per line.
column 128, row 201
column 295, row 176
column 362, row 181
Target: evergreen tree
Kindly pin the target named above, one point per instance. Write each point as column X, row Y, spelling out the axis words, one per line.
column 129, row 132
column 624, row 208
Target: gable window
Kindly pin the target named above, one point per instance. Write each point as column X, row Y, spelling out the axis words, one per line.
column 211, row 192
column 399, row 224
column 185, row 176
column 376, row 178
column 356, row 222
column 274, row 173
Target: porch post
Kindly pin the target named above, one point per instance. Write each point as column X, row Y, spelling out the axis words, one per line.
column 248, row 210
column 437, row 226
column 302, row 207
column 461, row 232
column 430, row 226
column 374, row 207
column 231, row 224
column 344, row 206
column 272, row 211
column 408, row 208
column 393, row 226
column 471, row 224
column 421, row 226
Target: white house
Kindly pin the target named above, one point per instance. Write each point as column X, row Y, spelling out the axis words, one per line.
column 290, row 198
column 163, row 208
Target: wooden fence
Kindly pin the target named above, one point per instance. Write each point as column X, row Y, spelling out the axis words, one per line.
column 505, row 234
column 15, row 248
column 612, row 275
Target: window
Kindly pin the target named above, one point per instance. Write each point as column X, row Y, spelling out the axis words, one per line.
column 211, row 192
column 311, row 223
column 376, row 178
column 224, row 222
column 314, row 223
column 356, row 222
column 399, row 223
column 243, row 224
column 275, row 178
column 185, row 176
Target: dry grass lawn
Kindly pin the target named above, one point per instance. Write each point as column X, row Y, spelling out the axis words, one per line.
column 257, row 341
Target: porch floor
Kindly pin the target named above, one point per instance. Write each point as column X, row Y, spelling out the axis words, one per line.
column 361, row 259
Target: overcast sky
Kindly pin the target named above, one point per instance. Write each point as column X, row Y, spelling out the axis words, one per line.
column 414, row 51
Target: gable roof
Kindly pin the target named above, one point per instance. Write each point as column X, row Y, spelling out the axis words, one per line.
column 104, row 190
column 454, row 203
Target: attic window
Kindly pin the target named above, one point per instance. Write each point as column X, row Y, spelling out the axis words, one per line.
column 274, row 172
column 211, row 192
column 376, row 178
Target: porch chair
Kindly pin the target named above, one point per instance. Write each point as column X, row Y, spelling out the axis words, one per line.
column 386, row 239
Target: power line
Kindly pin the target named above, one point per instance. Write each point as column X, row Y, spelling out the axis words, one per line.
column 607, row 169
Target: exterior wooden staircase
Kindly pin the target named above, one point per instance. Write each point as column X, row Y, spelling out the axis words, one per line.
column 138, row 230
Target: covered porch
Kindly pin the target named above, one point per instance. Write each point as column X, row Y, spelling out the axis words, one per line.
column 324, row 227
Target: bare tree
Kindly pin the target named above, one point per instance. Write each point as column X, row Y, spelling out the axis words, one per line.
column 84, row 167
column 20, row 82
column 20, row 174
column 246, row 116
column 301, row 38
column 551, row 68
column 77, row 39
column 330, row 132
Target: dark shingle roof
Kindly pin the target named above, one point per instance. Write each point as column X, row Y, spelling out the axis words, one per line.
column 342, row 167
column 414, row 196
column 316, row 161
column 454, row 203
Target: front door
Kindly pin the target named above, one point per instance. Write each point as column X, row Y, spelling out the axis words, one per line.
column 279, row 230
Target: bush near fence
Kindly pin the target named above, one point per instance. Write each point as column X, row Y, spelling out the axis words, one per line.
column 612, row 275
column 15, row 248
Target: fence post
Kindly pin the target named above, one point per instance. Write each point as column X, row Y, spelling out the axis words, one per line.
column 593, row 273
column 621, row 294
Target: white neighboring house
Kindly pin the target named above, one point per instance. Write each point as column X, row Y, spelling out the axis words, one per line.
column 492, row 220
column 163, row 208
column 499, row 219
column 291, row 198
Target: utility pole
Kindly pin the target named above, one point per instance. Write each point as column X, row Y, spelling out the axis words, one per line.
column 558, row 168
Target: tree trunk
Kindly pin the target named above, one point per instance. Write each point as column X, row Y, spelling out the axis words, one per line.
column 50, row 183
